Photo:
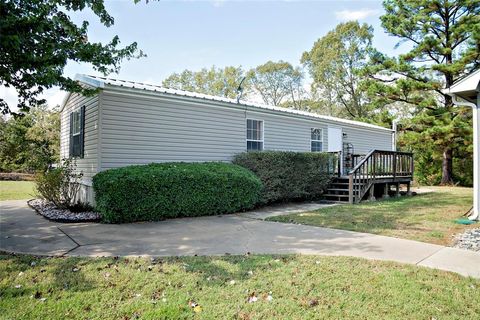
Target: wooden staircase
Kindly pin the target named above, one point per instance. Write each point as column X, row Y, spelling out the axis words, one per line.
column 377, row 167
column 337, row 190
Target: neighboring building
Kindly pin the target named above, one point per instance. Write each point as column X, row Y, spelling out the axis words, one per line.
column 130, row 123
column 466, row 92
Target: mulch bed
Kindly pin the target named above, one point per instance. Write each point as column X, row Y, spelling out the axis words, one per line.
column 51, row 212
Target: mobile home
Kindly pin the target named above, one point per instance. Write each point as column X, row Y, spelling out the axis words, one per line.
column 128, row 123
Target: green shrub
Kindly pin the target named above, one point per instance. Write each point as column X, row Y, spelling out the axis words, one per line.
column 289, row 176
column 60, row 185
column 170, row 190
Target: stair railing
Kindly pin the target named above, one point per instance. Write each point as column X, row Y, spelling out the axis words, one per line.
column 375, row 165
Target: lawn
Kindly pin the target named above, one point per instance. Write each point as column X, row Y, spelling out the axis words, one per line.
column 284, row 287
column 16, row 190
column 425, row 217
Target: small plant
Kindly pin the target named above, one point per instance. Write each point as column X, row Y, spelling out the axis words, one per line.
column 60, row 185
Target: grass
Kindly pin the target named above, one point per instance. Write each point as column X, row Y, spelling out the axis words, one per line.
column 306, row 287
column 426, row 217
column 16, row 190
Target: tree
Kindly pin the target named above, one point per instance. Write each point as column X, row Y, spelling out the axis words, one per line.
column 214, row 81
column 31, row 142
column 278, row 82
column 335, row 63
column 38, row 38
column 428, row 158
column 444, row 36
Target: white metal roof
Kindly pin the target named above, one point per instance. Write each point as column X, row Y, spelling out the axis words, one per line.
column 100, row 82
column 467, row 83
column 466, row 88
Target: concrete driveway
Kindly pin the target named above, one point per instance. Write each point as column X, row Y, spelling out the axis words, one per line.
column 24, row 231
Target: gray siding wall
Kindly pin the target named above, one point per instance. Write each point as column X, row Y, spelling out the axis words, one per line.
column 286, row 133
column 143, row 129
column 364, row 140
column 138, row 128
column 88, row 165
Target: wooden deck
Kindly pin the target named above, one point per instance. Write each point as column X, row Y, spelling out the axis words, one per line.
column 372, row 175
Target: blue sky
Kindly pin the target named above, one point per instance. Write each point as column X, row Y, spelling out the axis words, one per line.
column 178, row 35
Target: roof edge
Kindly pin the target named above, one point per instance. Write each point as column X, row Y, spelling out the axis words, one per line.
column 88, row 80
column 102, row 82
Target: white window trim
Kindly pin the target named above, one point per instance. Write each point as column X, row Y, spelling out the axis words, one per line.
column 73, row 124
column 315, row 140
column 252, row 140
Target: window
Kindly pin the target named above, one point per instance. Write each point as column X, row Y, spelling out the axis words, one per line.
column 254, row 135
column 77, row 123
column 316, row 140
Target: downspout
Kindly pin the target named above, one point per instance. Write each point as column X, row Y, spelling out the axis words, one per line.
column 394, row 135
column 476, row 156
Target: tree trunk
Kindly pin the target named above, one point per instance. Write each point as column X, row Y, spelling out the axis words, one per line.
column 447, row 167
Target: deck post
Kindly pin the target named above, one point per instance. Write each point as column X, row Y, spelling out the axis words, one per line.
column 350, row 188
column 371, row 195
column 409, row 191
column 397, row 189
column 385, row 191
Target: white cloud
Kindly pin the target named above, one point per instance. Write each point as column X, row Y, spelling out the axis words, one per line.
column 54, row 97
column 9, row 95
column 347, row 15
column 218, row 3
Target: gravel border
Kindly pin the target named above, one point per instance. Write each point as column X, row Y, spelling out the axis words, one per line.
column 52, row 213
column 469, row 240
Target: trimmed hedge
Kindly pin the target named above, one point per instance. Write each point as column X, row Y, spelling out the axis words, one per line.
column 289, row 176
column 169, row 190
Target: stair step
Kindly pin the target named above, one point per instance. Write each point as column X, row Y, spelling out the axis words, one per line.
column 345, row 184
column 336, row 195
column 334, row 189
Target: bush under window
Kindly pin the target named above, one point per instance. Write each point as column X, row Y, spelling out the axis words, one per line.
column 169, row 190
column 289, row 176
column 60, row 185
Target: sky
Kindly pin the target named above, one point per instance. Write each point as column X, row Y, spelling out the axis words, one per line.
column 178, row 35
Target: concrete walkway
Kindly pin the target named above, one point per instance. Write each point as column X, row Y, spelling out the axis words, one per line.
column 24, row 231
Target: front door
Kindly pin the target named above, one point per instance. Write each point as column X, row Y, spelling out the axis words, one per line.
column 335, row 143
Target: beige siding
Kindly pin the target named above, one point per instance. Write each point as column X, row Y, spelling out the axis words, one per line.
column 88, row 165
column 139, row 128
column 286, row 133
column 364, row 140
column 144, row 129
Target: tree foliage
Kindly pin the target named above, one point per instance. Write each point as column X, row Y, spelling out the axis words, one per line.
column 277, row 83
column 444, row 36
column 30, row 143
column 214, row 81
column 37, row 40
column 335, row 63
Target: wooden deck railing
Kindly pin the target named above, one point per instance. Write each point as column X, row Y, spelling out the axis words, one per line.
column 378, row 165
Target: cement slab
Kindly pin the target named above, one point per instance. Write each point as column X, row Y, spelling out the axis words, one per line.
column 24, row 231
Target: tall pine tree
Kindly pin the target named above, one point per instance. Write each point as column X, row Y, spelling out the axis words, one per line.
column 444, row 41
